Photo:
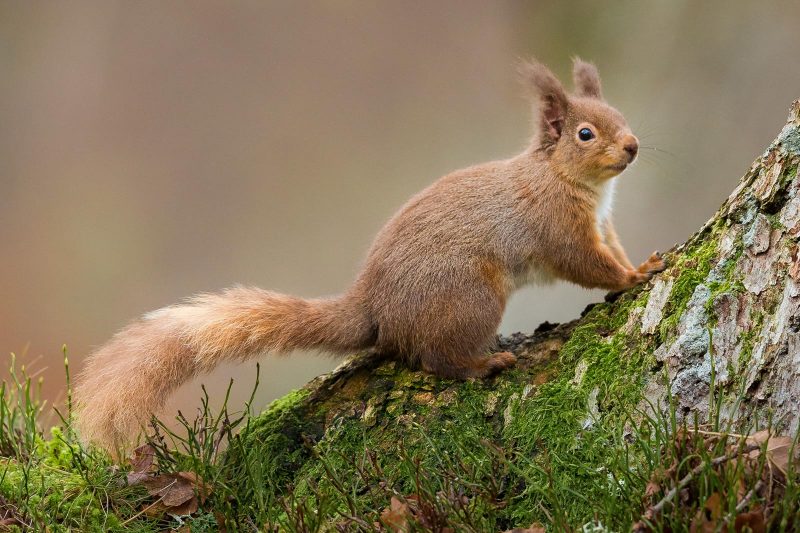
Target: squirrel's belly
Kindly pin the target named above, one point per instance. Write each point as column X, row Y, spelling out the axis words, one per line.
column 533, row 275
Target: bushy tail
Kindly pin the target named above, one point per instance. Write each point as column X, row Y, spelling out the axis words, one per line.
column 130, row 377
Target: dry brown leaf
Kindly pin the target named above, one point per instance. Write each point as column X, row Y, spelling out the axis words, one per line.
column 141, row 464
column 777, row 449
column 708, row 518
column 396, row 516
column 713, row 506
column 186, row 508
column 778, row 453
column 158, row 509
column 753, row 519
column 171, row 489
column 759, row 437
column 142, row 458
column 202, row 488
column 177, row 493
column 651, row 489
column 220, row 522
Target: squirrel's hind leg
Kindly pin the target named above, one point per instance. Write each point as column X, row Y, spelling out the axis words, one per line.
column 449, row 330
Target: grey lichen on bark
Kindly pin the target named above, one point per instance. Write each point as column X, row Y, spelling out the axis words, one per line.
column 717, row 332
column 742, row 321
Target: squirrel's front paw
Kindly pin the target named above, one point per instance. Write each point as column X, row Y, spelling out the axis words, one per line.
column 653, row 265
column 646, row 270
column 636, row 277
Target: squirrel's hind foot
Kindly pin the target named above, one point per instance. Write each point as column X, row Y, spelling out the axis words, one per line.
column 474, row 367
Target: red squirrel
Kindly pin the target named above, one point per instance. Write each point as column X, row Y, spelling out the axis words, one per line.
column 435, row 282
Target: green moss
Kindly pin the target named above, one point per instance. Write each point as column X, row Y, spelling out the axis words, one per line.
column 68, row 500
column 774, row 220
column 271, row 447
column 570, row 425
column 748, row 339
column 691, row 268
column 329, row 474
column 724, row 281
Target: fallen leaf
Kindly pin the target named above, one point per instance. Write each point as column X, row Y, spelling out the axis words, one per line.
column 141, row 464
column 177, row 493
column 396, row 516
column 777, row 449
column 220, row 522
column 759, row 437
column 197, row 482
column 754, row 520
column 651, row 489
column 778, row 453
column 171, row 489
column 708, row 518
column 713, row 506
column 185, row 509
column 158, row 509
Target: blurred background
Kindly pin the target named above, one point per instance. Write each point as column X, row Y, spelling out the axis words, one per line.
column 149, row 151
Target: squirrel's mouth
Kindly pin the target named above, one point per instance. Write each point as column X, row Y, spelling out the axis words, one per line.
column 619, row 167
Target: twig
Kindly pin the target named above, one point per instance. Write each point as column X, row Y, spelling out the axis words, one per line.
column 742, row 503
column 718, row 434
column 749, row 496
column 140, row 513
column 667, row 499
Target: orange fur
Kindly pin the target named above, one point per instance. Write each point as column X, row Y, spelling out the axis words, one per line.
column 130, row 377
column 612, row 241
column 436, row 280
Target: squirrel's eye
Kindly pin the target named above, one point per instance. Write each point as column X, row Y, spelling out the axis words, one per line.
column 585, row 134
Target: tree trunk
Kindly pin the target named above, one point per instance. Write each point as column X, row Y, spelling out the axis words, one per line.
column 716, row 334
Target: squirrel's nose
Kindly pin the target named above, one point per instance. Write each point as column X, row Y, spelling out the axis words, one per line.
column 631, row 145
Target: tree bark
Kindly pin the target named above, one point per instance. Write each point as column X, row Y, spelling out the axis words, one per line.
column 717, row 333
column 743, row 318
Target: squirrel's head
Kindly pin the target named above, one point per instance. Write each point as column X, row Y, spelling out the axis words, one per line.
column 580, row 133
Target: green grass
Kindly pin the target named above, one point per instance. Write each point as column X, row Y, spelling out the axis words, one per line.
column 54, row 483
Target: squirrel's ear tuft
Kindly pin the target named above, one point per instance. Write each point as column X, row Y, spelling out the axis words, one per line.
column 549, row 97
column 586, row 78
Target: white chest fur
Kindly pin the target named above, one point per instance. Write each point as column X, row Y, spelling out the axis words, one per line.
column 605, row 201
column 533, row 275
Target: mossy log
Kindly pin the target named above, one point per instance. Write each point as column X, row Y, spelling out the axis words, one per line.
column 717, row 334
